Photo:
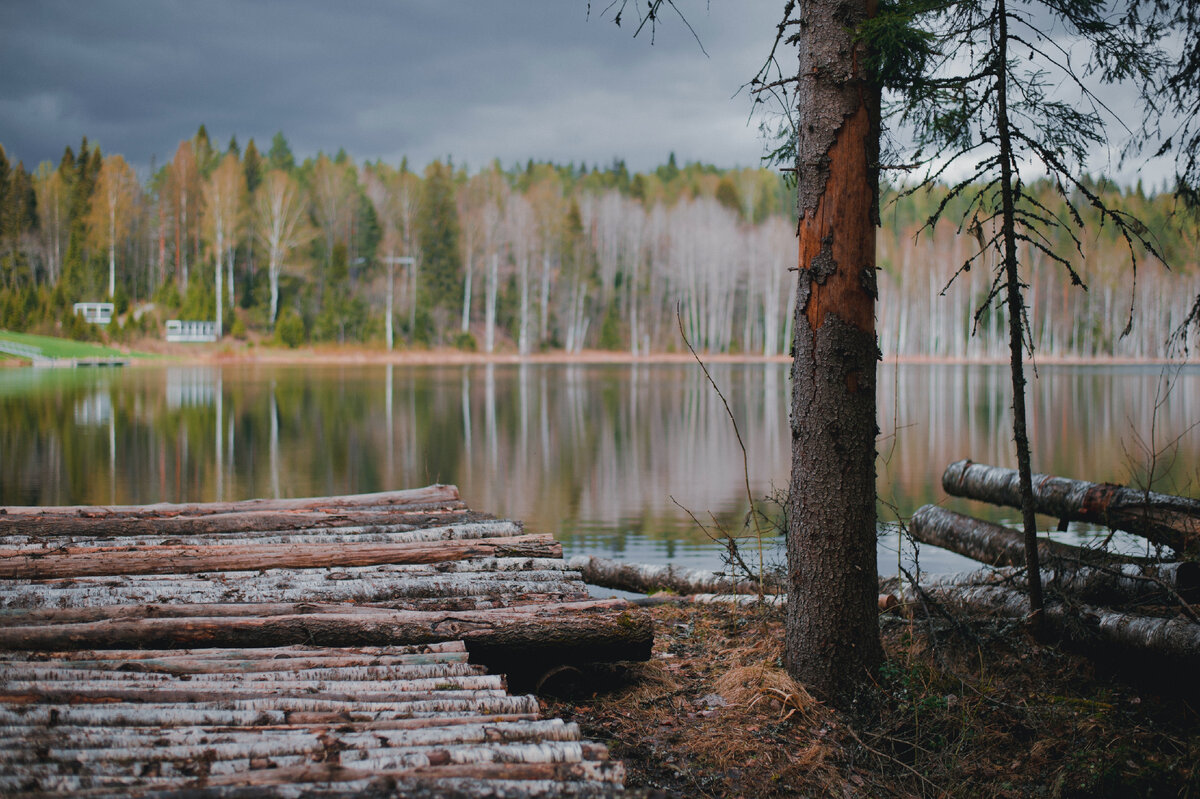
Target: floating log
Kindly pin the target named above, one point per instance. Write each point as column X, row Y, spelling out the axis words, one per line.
column 48, row 525
column 996, row 545
column 429, row 495
column 645, row 578
column 1161, row 518
column 603, row 630
column 165, row 559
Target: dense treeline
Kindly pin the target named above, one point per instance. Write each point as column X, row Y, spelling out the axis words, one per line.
column 526, row 258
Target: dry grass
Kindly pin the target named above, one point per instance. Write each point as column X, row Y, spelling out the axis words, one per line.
column 989, row 713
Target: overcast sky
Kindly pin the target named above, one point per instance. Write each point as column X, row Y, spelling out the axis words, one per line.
column 471, row 79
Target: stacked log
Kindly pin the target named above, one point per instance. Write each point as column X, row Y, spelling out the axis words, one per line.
column 290, row 721
column 323, row 646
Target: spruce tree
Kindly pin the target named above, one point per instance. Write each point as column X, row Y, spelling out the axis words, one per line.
column 437, row 235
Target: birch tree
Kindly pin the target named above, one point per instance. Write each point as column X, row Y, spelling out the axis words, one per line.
column 281, row 226
column 224, row 194
column 111, row 212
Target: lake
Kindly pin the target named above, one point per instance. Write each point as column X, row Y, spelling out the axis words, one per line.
column 622, row 460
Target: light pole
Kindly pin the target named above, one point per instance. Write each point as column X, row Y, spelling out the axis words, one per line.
column 391, row 261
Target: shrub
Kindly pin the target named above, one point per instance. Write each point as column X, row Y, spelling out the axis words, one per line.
column 289, row 330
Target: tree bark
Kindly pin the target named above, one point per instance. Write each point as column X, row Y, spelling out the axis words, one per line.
column 997, row 545
column 1161, row 518
column 91, row 561
column 832, row 633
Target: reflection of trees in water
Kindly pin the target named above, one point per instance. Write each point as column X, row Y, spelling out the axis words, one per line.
column 585, row 451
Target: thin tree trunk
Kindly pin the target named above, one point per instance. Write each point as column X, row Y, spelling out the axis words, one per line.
column 1016, row 319
column 832, row 630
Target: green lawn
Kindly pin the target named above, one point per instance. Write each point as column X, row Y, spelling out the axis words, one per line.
column 51, row 347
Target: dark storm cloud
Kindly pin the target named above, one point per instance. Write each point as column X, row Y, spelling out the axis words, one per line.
column 383, row 79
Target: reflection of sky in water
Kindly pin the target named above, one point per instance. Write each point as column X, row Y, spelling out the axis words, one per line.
column 604, row 456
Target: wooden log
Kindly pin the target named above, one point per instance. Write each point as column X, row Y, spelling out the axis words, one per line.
column 996, row 545
column 646, row 578
column 602, row 630
column 429, row 495
column 241, row 522
column 219, row 655
column 119, row 747
column 1165, row 583
column 89, row 561
column 271, row 711
column 383, row 533
column 1161, row 518
column 388, row 589
column 1175, row 641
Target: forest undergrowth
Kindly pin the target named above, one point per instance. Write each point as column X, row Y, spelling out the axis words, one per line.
column 963, row 706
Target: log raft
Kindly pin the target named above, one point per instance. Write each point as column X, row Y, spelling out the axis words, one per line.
column 315, row 647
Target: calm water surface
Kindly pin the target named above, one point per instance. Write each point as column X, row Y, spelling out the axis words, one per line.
column 613, row 459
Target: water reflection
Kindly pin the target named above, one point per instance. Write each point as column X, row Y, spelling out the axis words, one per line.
column 606, row 456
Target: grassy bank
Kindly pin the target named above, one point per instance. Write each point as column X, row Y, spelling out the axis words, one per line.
column 58, row 348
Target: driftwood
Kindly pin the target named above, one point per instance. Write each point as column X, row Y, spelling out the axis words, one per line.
column 168, row 559
column 1161, row 518
column 997, row 545
column 1175, row 641
column 645, row 579
column 603, row 630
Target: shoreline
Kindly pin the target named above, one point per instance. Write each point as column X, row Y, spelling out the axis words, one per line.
column 216, row 354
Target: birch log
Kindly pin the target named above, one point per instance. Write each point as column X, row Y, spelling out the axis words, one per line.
column 242, row 521
column 168, row 559
column 1161, row 518
column 1175, row 640
column 646, row 578
column 1165, row 583
column 434, row 495
column 996, row 545
column 574, row 632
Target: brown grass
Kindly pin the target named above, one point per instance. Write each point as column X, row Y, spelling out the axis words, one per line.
column 979, row 710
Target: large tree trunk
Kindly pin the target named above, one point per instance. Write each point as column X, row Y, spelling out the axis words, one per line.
column 1161, row 518
column 832, row 630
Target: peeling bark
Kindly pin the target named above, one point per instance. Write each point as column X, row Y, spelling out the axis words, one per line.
column 832, row 634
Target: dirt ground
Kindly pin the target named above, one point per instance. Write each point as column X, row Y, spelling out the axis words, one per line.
column 962, row 707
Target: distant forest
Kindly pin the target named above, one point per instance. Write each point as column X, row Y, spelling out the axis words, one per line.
column 524, row 258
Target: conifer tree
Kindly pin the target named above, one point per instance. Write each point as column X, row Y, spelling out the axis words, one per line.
column 438, row 238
